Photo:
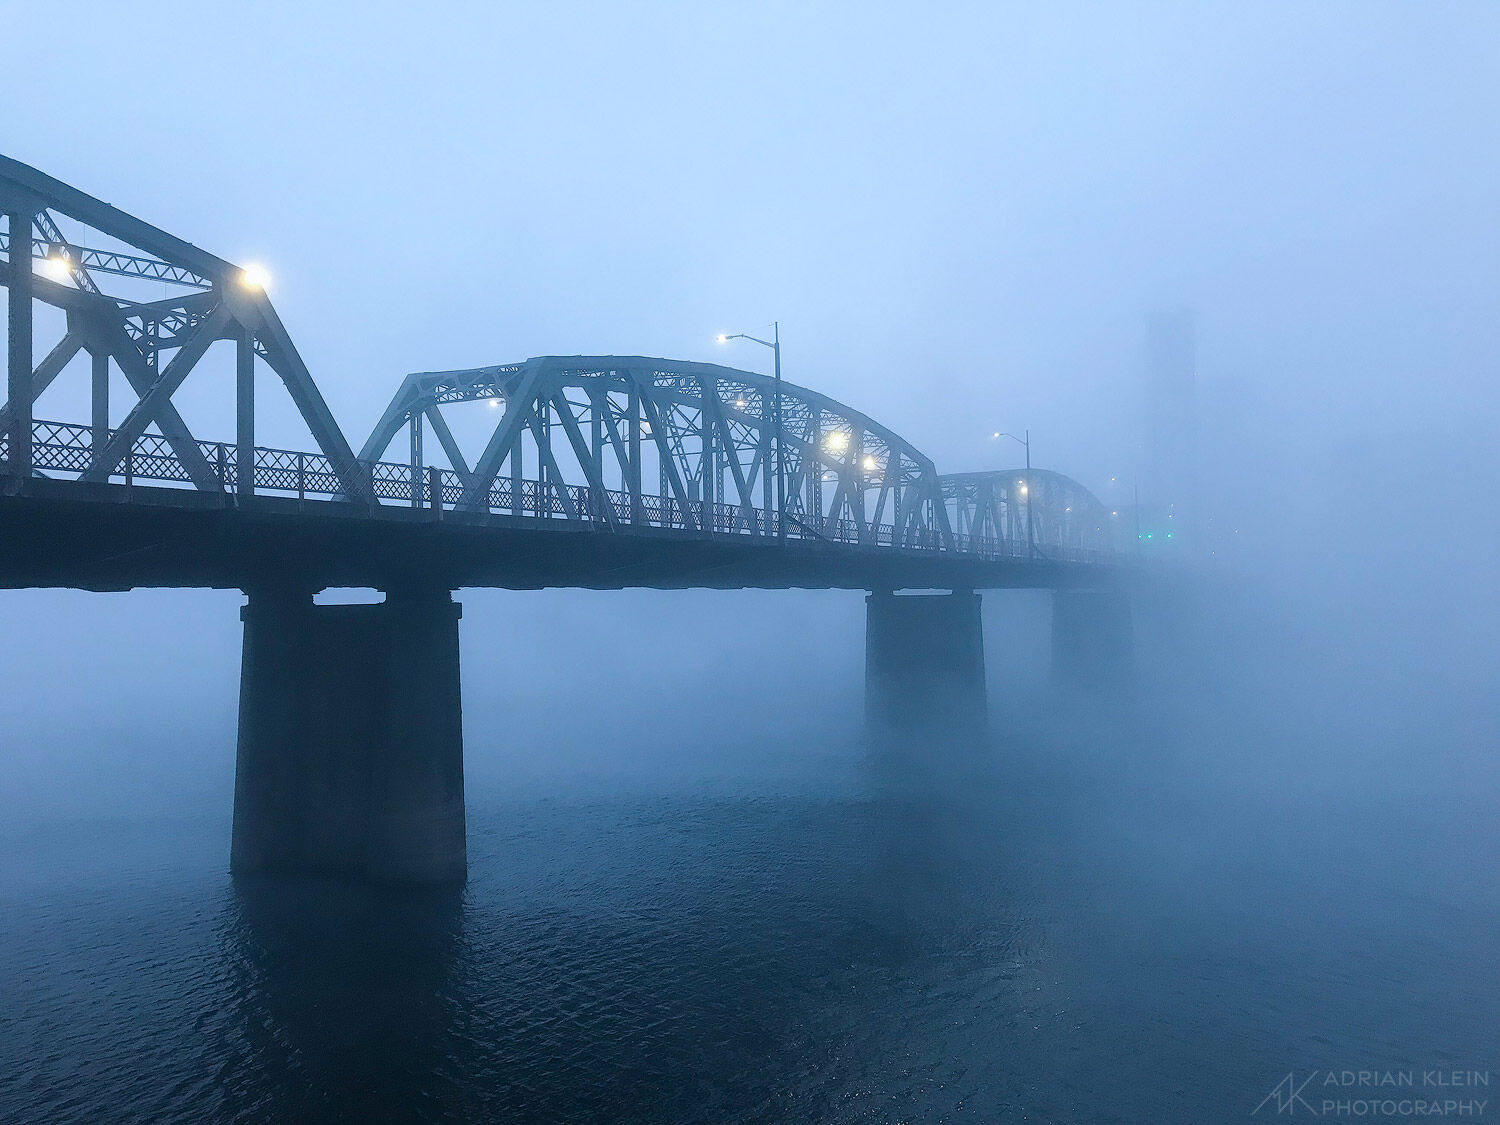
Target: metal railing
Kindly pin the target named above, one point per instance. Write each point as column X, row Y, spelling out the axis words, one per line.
column 69, row 448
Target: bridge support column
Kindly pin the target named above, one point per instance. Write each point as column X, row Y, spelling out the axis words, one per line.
column 19, row 350
column 350, row 757
column 1093, row 643
column 924, row 662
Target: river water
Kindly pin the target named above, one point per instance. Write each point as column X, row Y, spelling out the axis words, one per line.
column 1105, row 912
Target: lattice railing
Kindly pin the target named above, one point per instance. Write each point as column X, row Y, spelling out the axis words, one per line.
column 64, row 447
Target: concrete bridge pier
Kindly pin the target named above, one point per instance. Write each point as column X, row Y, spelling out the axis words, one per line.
column 924, row 662
column 350, row 756
column 1093, row 639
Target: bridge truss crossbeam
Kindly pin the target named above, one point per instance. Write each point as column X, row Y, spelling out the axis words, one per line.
column 155, row 343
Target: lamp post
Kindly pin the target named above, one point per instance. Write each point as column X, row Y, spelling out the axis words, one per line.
column 774, row 343
column 1030, row 530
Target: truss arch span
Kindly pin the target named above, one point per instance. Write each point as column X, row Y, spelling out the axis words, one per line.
column 1009, row 510
column 640, row 439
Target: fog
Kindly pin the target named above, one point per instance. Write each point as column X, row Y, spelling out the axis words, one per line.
column 964, row 218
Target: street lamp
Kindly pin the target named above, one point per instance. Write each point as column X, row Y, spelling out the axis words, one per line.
column 774, row 343
column 1025, row 489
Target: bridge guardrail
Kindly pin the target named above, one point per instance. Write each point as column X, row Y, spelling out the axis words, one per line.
column 69, row 448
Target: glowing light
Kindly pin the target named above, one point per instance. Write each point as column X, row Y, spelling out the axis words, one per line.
column 995, row 434
column 1114, row 513
column 1067, row 509
column 1023, row 490
column 870, row 464
column 837, row 440
column 739, row 403
column 255, row 276
column 56, row 267
column 723, row 338
column 494, row 404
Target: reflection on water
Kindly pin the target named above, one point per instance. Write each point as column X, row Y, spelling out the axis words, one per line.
column 989, row 932
column 341, row 984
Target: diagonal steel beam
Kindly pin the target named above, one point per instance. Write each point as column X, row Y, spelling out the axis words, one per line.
column 283, row 358
column 105, row 335
column 622, row 452
column 507, row 434
column 395, row 416
column 450, row 446
column 551, row 474
column 668, row 460
column 59, row 196
column 148, row 408
column 732, row 451
column 45, row 372
column 586, row 459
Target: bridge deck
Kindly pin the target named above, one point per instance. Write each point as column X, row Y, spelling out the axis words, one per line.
column 71, row 534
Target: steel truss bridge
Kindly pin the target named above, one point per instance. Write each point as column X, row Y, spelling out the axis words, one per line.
column 596, row 471
column 603, row 444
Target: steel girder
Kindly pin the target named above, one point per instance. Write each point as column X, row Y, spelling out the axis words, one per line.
column 155, row 343
column 989, row 510
column 696, row 436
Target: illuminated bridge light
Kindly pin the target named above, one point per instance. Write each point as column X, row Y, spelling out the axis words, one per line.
column 837, row 441
column 56, row 267
column 255, row 276
column 870, row 464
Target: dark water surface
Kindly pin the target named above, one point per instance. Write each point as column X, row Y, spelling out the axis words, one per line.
column 1064, row 929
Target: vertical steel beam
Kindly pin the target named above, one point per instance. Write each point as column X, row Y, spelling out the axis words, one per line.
column 767, row 473
column 598, row 404
column 857, row 476
column 416, row 458
column 517, row 473
column 539, row 420
column 814, row 473
column 708, row 462
column 244, row 413
column 100, row 397
column 634, row 408
column 19, row 353
column 896, row 474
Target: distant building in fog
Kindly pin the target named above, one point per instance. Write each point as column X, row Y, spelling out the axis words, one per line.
column 1169, row 467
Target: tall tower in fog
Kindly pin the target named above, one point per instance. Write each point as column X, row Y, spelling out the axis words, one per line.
column 1170, row 469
